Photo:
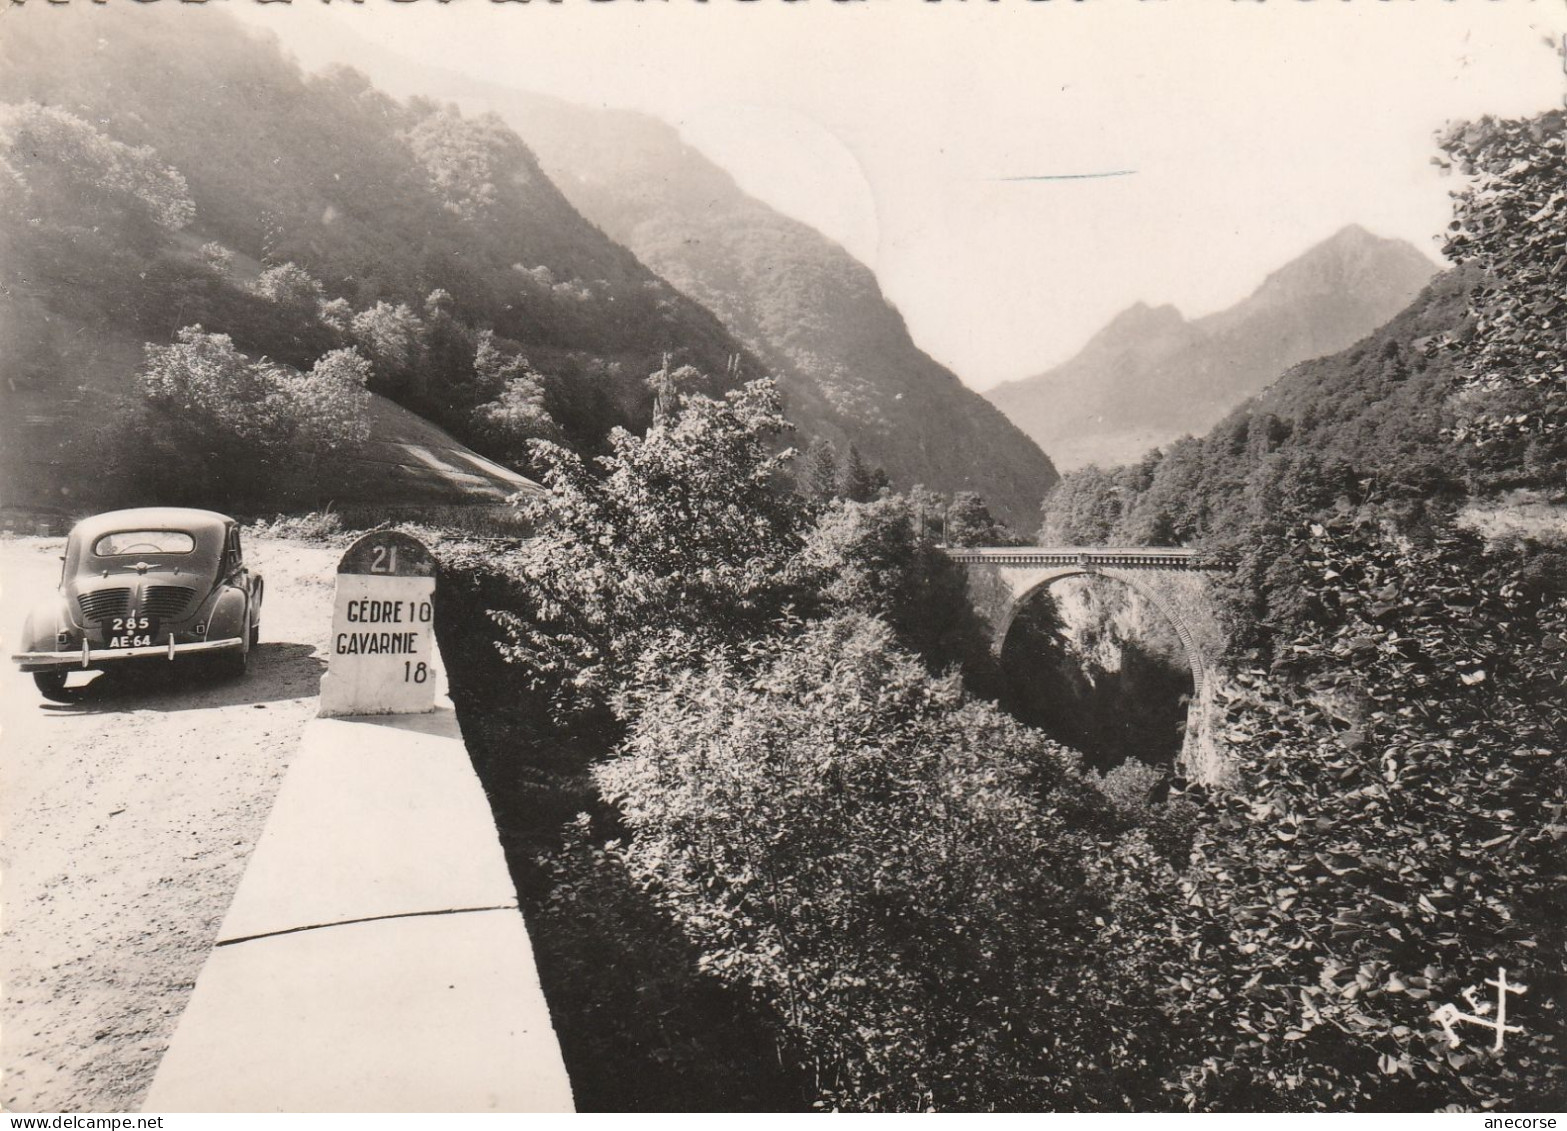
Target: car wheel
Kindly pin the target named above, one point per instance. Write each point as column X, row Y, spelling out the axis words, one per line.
column 51, row 685
column 233, row 664
column 255, row 629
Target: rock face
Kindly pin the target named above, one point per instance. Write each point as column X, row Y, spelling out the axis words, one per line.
column 1151, row 375
column 812, row 314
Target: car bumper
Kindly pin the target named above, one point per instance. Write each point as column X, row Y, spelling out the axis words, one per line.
column 87, row 657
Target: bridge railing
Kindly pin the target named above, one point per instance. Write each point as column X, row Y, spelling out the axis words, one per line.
column 1134, row 557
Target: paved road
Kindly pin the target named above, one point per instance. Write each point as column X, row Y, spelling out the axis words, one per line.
column 126, row 820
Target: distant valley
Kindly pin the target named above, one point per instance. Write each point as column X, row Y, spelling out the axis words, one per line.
column 810, row 313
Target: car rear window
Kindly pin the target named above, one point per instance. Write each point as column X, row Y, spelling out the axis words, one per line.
column 143, row 542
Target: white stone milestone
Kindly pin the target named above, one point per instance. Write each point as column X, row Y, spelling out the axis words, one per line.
column 382, row 650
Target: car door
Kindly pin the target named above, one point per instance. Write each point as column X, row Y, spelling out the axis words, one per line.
column 233, row 569
column 246, row 580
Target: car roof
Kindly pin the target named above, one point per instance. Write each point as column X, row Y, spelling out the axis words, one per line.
column 151, row 518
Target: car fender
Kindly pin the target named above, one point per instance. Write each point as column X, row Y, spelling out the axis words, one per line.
column 45, row 621
column 229, row 616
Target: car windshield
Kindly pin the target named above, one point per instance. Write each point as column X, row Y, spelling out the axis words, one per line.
column 143, row 542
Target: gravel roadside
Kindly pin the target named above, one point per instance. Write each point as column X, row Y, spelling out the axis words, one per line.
column 126, row 820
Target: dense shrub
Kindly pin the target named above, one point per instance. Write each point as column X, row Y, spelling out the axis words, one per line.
column 687, row 530
column 899, row 874
column 873, row 557
column 313, row 526
column 643, row 1026
column 227, row 424
column 71, row 175
column 1398, row 835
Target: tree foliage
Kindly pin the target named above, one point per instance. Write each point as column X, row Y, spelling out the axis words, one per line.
column 227, row 423
column 518, row 412
column 1510, row 221
column 292, row 288
column 818, row 471
column 76, row 176
column 1398, row 836
column 858, row 482
column 875, row 558
column 687, row 530
column 939, row 910
column 895, row 871
column 366, row 207
column 970, row 523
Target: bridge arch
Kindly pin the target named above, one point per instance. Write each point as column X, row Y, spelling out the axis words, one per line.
column 1189, row 641
column 1002, row 580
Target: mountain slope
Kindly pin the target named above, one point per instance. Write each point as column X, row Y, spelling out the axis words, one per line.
column 1151, row 375
column 180, row 157
column 1367, row 421
column 813, row 315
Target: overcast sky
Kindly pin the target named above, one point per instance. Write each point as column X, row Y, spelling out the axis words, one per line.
column 1235, row 133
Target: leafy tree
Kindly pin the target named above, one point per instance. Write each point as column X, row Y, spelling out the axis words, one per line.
column 76, row 176
column 81, row 214
column 668, row 388
column 642, row 1026
column 818, row 471
column 384, row 203
column 970, row 523
column 218, row 258
column 894, row 872
column 217, row 387
column 331, row 402
column 337, row 314
column 450, row 383
column 468, row 159
column 516, row 416
column 688, row 531
column 1167, row 504
column 872, row 558
column 1082, row 509
column 856, row 480
column 929, row 508
column 392, row 337
column 296, row 298
column 293, row 288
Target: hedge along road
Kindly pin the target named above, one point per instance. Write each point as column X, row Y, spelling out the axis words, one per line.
column 127, row 821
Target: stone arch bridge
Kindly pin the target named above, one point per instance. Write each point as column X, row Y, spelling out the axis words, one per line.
column 1001, row 580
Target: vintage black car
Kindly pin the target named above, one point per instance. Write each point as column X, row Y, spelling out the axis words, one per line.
column 151, row 585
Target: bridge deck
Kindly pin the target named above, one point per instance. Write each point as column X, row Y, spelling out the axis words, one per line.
column 1144, row 557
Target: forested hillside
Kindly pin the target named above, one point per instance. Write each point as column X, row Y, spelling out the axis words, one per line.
column 1152, row 375
column 155, row 182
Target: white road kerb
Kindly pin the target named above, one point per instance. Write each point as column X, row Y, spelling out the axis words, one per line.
column 374, row 958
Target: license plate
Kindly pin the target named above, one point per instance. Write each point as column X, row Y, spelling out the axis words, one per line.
column 131, row 632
